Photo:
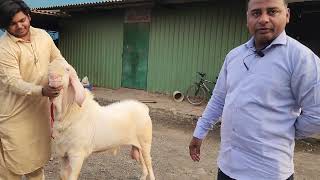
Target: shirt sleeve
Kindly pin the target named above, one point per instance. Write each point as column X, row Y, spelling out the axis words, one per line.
column 305, row 85
column 10, row 76
column 214, row 108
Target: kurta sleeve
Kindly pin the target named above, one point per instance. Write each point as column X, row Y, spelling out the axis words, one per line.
column 10, row 76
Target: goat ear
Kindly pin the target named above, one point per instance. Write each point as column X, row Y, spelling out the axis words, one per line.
column 77, row 87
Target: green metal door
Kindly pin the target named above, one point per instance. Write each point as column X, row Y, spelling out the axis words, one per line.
column 135, row 55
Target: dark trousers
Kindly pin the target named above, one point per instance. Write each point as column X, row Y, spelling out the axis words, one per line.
column 223, row 176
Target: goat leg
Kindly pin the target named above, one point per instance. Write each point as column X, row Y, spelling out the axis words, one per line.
column 75, row 162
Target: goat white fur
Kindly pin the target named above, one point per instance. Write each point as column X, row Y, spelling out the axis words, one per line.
column 82, row 126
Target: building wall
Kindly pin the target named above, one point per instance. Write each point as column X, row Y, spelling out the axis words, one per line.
column 190, row 39
column 183, row 40
column 93, row 45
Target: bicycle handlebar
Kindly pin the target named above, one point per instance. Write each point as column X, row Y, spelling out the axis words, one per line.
column 202, row 74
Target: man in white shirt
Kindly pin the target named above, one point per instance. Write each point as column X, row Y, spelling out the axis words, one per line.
column 262, row 88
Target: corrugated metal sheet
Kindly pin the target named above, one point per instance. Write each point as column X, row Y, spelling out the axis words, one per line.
column 93, row 45
column 63, row 3
column 184, row 41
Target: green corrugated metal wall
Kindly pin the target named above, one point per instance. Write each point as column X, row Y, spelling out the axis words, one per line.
column 183, row 41
column 93, row 45
column 186, row 40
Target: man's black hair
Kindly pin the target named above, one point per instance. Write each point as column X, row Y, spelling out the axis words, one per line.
column 284, row 1
column 9, row 8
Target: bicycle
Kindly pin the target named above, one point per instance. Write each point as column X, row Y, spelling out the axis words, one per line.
column 198, row 92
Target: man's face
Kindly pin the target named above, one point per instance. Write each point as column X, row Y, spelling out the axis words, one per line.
column 266, row 19
column 19, row 25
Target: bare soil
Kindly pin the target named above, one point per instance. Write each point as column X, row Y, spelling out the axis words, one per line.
column 171, row 156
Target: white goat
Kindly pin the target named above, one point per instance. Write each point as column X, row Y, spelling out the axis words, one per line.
column 82, row 126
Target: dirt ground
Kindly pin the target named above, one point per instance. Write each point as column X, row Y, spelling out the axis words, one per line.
column 172, row 130
column 171, row 160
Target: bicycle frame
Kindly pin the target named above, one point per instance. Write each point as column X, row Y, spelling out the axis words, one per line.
column 203, row 84
column 200, row 90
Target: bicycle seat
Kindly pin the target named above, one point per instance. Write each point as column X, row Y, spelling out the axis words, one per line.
column 201, row 74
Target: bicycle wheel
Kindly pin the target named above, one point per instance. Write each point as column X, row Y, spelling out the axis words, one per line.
column 196, row 94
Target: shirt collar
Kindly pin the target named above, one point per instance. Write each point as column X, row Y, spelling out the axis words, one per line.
column 15, row 39
column 280, row 40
